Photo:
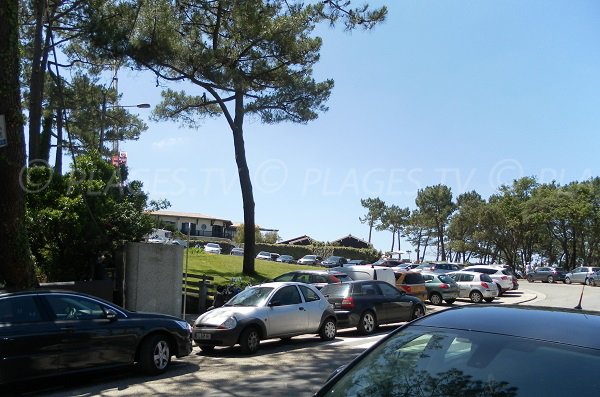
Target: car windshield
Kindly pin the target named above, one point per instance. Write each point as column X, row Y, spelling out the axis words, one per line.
column 263, row 253
column 256, row 296
column 424, row 361
column 342, row 277
column 333, row 259
column 213, row 245
column 309, row 256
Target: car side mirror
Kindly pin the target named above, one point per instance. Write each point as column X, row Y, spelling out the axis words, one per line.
column 111, row 315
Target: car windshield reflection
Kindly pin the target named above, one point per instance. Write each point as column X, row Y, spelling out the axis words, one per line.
column 256, row 296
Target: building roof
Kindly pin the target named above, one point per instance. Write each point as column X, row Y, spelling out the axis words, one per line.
column 351, row 241
column 301, row 240
column 176, row 214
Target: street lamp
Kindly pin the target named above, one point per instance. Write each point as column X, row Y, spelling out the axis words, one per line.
column 103, row 115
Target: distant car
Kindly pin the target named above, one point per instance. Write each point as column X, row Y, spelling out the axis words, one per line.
column 48, row 333
column 266, row 311
column 237, row 251
column 440, row 287
column 594, row 279
column 437, row 268
column 212, row 248
column 354, row 262
column 366, row 304
column 310, row 260
column 475, row 286
column 318, row 278
column 580, row 275
column 502, row 277
column 264, row 255
column 412, row 283
column 334, row 261
column 478, row 351
column 286, row 259
column 274, row 256
column 547, row 274
column 387, row 262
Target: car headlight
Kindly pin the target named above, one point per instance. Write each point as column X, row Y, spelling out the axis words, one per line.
column 230, row 323
column 184, row 325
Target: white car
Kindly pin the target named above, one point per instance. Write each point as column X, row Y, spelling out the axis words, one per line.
column 475, row 286
column 310, row 260
column 266, row 311
column 499, row 274
column 212, row 248
column 264, row 255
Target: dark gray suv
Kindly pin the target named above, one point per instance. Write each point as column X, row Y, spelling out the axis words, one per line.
column 547, row 274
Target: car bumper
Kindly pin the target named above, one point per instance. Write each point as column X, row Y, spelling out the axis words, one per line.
column 215, row 337
column 184, row 345
column 346, row 319
column 489, row 293
column 449, row 294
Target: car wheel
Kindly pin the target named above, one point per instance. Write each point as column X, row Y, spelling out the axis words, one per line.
column 476, row 296
column 207, row 348
column 155, row 354
column 328, row 330
column 488, row 300
column 450, row 301
column 550, row 279
column 530, row 279
column 367, row 323
column 418, row 311
column 249, row 340
column 435, row 298
column 500, row 291
column 567, row 280
column 587, row 281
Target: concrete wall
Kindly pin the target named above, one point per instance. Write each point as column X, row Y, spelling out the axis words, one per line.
column 153, row 278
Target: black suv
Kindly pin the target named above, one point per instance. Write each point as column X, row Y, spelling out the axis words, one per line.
column 365, row 304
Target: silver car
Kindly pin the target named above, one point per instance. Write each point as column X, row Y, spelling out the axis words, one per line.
column 580, row 275
column 266, row 311
column 500, row 275
column 475, row 286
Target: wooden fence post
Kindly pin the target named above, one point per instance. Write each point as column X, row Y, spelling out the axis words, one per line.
column 202, row 294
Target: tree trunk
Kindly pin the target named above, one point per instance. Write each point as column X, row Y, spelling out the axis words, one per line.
column 370, row 230
column 16, row 267
column 36, row 82
column 393, row 240
column 245, row 184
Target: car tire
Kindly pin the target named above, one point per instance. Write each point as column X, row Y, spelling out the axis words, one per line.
column 418, row 311
column 567, row 280
column 587, row 281
column 488, row 300
column 367, row 323
column 435, row 298
column 550, row 279
column 250, row 340
column 530, row 279
column 207, row 348
column 450, row 301
column 500, row 291
column 155, row 354
column 328, row 330
column 476, row 296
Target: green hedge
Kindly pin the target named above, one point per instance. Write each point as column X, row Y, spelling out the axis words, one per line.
column 298, row 251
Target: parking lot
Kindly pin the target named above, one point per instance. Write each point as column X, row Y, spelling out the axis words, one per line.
column 293, row 368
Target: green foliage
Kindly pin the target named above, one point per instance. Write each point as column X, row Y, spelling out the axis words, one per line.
column 375, row 210
column 75, row 219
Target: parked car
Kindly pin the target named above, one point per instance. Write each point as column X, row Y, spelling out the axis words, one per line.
column 368, row 273
column 437, row 268
column 501, row 276
column 286, row 259
column 412, row 283
column 310, row 260
column 387, row 263
column 318, row 278
column 264, row 255
column 440, row 287
column 47, row 333
column 334, row 261
column 355, row 262
column 271, row 310
column 274, row 256
column 547, row 274
column 366, row 304
column 212, row 248
column 478, row 350
column 475, row 286
column 594, row 279
column 580, row 275
column 237, row 251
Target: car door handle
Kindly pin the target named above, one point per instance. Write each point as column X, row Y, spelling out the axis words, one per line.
column 301, row 308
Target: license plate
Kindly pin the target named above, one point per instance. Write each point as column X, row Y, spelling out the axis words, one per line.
column 202, row 335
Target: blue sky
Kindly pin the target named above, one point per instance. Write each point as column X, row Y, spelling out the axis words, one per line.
column 471, row 94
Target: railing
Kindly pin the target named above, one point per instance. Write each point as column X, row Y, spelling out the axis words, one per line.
column 198, row 287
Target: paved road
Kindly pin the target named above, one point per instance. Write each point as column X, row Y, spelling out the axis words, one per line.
column 294, row 368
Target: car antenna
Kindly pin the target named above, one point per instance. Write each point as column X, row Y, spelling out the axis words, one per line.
column 578, row 307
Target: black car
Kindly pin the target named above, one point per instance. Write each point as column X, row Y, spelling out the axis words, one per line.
column 334, row 261
column 367, row 303
column 547, row 274
column 46, row 333
column 479, row 351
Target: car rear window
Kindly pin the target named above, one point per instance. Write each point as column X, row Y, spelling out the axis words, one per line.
column 486, row 278
column 414, row 278
column 342, row 277
column 336, row 290
column 445, row 279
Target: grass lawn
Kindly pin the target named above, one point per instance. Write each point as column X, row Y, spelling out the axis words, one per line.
column 224, row 267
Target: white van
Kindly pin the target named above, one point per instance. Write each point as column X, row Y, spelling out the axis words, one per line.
column 367, row 272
